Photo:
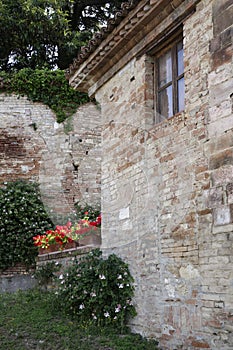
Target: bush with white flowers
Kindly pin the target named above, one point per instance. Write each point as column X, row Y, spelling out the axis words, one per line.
column 22, row 216
column 98, row 291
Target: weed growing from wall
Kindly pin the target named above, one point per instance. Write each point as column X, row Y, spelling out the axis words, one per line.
column 46, row 86
column 22, row 216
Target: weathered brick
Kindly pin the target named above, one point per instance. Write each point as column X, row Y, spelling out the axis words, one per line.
column 175, row 179
column 187, row 163
column 34, row 147
column 222, row 158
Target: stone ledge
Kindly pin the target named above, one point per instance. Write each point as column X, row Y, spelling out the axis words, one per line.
column 67, row 253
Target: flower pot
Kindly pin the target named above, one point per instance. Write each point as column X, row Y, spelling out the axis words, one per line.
column 93, row 239
column 57, row 247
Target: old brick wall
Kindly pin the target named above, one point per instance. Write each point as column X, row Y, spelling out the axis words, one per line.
column 167, row 189
column 63, row 158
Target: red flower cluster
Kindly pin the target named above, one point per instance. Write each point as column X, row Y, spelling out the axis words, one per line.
column 96, row 223
column 67, row 233
column 61, row 236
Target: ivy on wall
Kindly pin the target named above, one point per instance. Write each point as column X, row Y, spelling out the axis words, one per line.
column 48, row 87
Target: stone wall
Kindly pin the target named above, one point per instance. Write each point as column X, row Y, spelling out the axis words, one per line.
column 63, row 158
column 167, row 197
column 19, row 277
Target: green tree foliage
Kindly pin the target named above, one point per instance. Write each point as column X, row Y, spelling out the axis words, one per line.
column 22, row 216
column 38, row 33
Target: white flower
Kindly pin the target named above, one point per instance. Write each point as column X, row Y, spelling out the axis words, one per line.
column 102, row 277
column 61, row 277
column 81, row 307
column 94, row 317
column 121, row 286
column 118, row 308
column 119, row 277
column 106, row 314
column 93, row 294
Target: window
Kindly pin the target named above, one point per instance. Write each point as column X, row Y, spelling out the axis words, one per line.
column 169, row 85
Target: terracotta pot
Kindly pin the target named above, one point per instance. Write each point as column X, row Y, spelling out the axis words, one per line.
column 56, row 248
column 93, row 239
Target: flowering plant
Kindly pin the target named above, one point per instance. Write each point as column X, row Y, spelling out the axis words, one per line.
column 67, row 233
column 98, row 290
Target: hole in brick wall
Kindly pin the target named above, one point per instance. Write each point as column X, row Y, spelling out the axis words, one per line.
column 111, row 96
column 75, row 166
column 33, row 125
column 132, row 78
column 80, row 140
column 86, row 152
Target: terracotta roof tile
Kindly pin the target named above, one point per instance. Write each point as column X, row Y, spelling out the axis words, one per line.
column 98, row 37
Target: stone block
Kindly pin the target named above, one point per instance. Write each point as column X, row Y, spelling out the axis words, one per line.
column 229, row 192
column 215, row 197
column 222, row 16
column 222, row 176
column 12, row 284
column 224, row 55
column 222, row 216
column 221, row 159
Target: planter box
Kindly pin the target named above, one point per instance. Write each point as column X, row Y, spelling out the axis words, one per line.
column 93, row 239
column 56, row 248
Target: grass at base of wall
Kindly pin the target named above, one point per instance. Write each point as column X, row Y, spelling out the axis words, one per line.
column 29, row 320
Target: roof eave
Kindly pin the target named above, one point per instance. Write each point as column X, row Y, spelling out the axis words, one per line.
column 124, row 40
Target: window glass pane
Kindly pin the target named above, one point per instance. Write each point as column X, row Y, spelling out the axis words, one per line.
column 165, row 103
column 165, row 68
column 180, row 58
column 181, row 94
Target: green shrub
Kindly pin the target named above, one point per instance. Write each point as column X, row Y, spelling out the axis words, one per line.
column 46, row 86
column 22, row 216
column 81, row 209
column 98, row 291
column 46, row 273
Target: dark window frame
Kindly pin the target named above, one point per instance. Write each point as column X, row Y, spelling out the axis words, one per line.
column 169, row 44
